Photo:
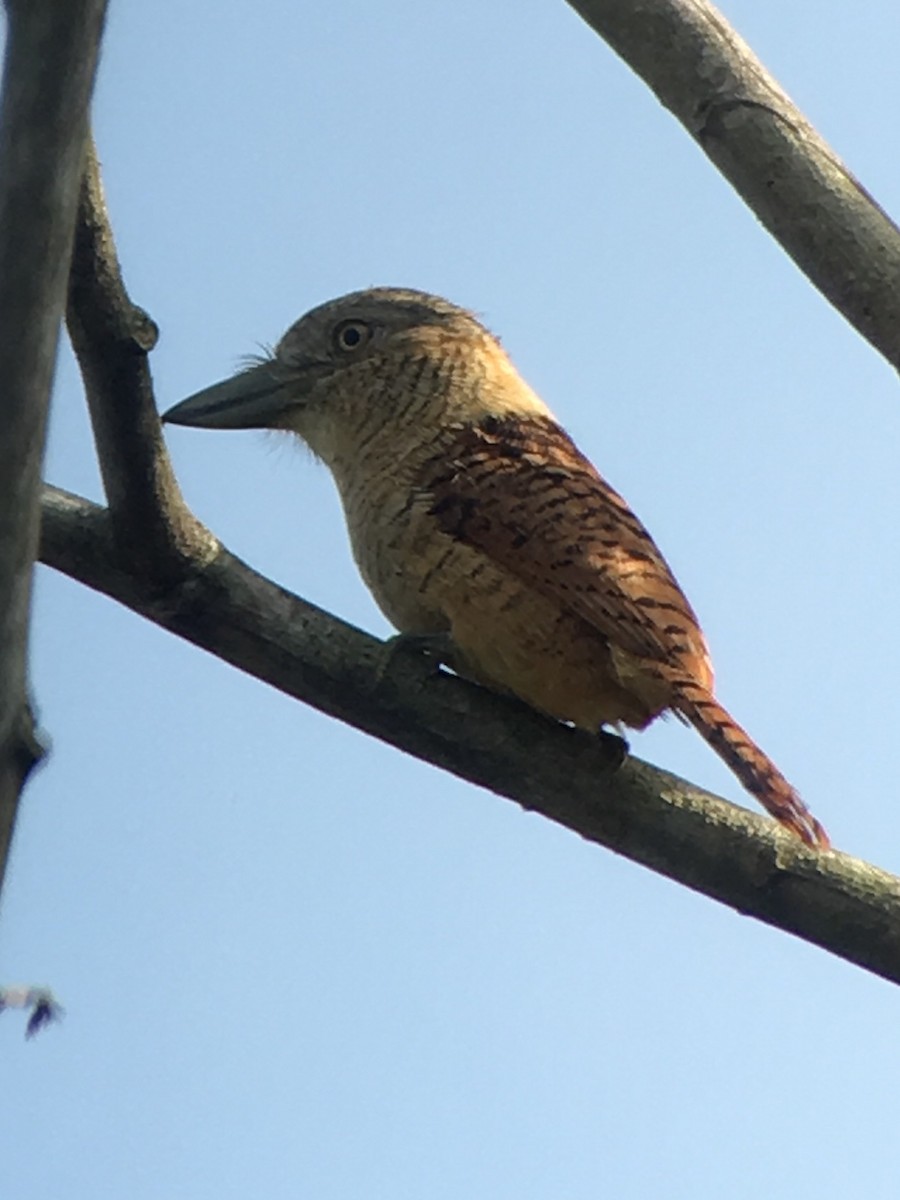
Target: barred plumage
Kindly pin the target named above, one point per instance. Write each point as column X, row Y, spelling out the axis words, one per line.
column 471, row 512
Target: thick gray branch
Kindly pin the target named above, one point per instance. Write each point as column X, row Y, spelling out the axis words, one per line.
column 791, row 179
column 648, row 815
column 51, row 55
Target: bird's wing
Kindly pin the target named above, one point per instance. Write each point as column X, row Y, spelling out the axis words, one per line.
column 521, row 492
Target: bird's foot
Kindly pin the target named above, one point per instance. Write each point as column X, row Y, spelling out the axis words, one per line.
column 438, row 647
column 614, row 746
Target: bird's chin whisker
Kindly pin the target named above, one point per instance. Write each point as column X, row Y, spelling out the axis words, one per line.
column 246, row 362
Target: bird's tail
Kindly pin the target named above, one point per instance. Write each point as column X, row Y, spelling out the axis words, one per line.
column 754, row 769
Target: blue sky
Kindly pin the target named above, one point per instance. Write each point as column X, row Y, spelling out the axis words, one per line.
column 296, row 962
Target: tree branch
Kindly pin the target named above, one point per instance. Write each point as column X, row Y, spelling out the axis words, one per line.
column 734, row 856
column 793, row 181
column 111, row 338
column 51, row 55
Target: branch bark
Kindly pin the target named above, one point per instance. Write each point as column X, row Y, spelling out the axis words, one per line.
column 654, row 818
column 51, row 56
column 112, row 338
column 796, row 185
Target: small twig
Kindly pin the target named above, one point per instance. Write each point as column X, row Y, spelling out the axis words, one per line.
column 654, row 818
column 45, row 1009
column 782, row 169
column 111, row 337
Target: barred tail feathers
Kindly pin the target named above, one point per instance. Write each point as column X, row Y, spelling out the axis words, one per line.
column 751, row 765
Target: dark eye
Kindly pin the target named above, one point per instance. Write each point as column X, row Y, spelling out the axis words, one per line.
column 350, row 335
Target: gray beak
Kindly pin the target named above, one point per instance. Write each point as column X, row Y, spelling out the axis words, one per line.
column 251, row 400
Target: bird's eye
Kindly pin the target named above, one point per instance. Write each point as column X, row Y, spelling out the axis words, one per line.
column 350, row 335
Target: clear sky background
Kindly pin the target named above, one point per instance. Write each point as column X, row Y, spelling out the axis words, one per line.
column 296, row 962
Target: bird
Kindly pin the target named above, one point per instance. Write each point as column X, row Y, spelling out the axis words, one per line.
column 475, row 521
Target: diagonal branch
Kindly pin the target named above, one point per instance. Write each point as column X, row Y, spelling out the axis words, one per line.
column 51, row 55
column 112, row 337
column 703, row 72
column 734, row 856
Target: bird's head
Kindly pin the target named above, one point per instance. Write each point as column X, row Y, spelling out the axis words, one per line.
column 370, row 360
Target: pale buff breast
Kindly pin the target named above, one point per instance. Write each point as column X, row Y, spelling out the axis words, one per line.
column 509, row 637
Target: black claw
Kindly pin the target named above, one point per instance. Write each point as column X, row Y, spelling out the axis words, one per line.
column 615, row 747
column 438, row 647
